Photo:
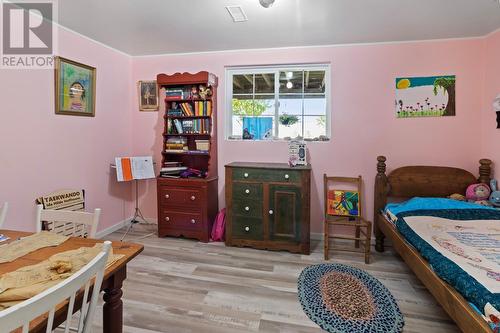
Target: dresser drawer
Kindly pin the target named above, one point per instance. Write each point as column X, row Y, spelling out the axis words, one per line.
column 247, row 208
column 245, row 191
column 247, row 228
column 180, row 196
column 180, row 220
column 264, row 175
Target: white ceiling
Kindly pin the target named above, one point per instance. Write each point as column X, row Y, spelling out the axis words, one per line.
column 147, row 27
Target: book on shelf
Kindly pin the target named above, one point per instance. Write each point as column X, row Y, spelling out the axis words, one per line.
column 189, row 126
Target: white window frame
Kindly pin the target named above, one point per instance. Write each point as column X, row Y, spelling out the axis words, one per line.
column 239, row 70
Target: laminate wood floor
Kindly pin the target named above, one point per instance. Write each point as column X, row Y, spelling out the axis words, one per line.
column 183, row 286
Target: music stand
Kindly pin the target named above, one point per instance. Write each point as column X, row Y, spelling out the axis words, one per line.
column 138, row 216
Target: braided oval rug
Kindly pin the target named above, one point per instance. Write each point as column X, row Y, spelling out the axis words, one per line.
column 344, row 299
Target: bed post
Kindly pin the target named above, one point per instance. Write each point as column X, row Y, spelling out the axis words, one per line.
column 380, row 200
column 485, row 171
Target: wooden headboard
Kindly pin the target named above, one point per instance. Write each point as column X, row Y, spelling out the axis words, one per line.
column 422, row 181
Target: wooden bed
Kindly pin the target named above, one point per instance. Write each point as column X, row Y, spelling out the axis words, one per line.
column 426, row 181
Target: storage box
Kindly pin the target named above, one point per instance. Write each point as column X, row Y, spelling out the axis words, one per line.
column 202, row 144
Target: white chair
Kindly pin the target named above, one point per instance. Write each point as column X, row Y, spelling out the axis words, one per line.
column 3, row 213
column 68, row 223
column 20, row 315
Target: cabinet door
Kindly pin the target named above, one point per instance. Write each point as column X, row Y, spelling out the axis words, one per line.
column 284, row 212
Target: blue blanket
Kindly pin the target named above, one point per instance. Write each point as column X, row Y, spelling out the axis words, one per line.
column 446, row 269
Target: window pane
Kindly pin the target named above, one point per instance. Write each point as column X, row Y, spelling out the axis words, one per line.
column 243, row 105
column 314, row 82
column 264, row 83
column 264, row 105
column 290, row 104
column 290, row 82
column 243, row 84
column 314, row 126
column 290, row 126
column 314, row 105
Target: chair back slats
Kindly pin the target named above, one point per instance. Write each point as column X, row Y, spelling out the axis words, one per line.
column 71, row 306
column 20, row 315
column 3, row 213
column 68, row 223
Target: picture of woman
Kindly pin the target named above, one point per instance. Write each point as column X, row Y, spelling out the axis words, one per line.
column 77, row 97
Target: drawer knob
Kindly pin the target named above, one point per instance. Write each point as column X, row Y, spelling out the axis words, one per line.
column 287, row 176
column 167, row 218
column 245, row 175
column 247, row 208
column 247, row 191
column 271, row 212
column 193, row 198
column 247, row 229
column 193, row 221
column 167, row 196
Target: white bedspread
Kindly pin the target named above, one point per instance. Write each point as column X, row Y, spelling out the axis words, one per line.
column 474, row 245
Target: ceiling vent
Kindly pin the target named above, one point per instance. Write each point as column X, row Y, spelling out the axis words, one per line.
column 237, row 13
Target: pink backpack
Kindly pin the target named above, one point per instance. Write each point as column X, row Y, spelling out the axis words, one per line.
column 219, row 226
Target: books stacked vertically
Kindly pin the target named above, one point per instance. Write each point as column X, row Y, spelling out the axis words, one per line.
column 172, row 170
column 203, row 108
column 189, row 126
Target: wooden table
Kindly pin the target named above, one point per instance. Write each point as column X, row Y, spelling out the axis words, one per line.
column 111, row 284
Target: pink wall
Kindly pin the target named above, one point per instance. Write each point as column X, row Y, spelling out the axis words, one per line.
column 491, row 135
column 41, row 152
column 363, row 123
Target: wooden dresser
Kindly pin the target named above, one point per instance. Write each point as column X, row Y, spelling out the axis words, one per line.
column 268, row 206
column 187, row 207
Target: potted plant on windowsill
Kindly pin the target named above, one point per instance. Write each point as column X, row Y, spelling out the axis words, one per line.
column 288, row 120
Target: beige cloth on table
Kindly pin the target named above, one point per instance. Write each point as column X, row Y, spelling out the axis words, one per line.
column 29, row 281
column 16, row 249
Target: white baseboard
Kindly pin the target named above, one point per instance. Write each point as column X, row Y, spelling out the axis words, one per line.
column 113, row 228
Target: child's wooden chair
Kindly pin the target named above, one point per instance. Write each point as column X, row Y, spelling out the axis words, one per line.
column 359, row 222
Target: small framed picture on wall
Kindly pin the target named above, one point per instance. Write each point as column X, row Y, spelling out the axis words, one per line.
column 148, row 96
column 74, row 88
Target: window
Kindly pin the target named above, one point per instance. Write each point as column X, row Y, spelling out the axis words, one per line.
column 278, row 102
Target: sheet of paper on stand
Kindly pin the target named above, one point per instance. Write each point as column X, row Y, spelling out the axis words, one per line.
column 130, row 168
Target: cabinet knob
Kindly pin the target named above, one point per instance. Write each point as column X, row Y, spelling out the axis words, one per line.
column 245, row 175
column 167, row 196
column 247, row 208
column 247, row 229
column 287, row 176
column 193, row 221
column 193, row 198
column 271, row 212
column 247, row 191
column 167, row 218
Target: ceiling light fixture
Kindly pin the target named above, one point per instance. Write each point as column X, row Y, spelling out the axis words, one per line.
column 237, row 13
column 266, row 3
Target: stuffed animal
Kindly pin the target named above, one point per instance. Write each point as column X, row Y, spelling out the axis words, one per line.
column 204, row 91
column 477, row 192
column 457, row 196
column 495, row 194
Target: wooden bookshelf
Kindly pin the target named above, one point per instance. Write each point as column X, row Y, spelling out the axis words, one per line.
column 188, row 206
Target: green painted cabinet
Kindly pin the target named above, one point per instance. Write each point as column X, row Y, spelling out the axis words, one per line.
column 268, row 206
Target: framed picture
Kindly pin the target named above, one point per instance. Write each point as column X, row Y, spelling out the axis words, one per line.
column 74, row 88
column 431, row 96
column 148, row 96
column 343, row 203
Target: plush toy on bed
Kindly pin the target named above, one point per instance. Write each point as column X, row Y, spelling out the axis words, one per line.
column 495, row 193
column 478, row 193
